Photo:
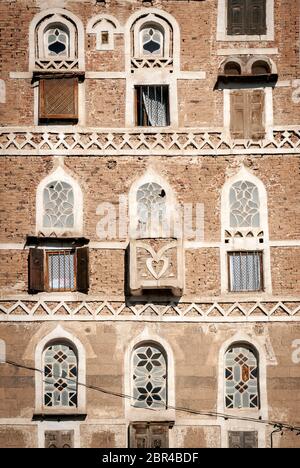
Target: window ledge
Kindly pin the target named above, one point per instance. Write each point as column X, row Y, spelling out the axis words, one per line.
column 59, row 416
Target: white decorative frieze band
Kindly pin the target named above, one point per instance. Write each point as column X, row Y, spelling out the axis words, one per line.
column 35, row 309
column 161, row 142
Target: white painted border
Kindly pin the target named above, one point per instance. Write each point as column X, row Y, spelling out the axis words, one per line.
column 61, row 175
column 233, row 425
column 35, row 23
column 2, row 351
column 245, row 243
column 222, row 25
column 59, row 333
column 141, row 414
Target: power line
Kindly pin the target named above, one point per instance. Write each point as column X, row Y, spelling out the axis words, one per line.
column 276, row 424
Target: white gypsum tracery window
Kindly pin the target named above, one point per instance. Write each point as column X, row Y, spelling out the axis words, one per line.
column 57, row 41
column 151, row 208
column 244, row 205
column 241, row 378
column 58, row 202
column 152, row 40
column 149, row 377
column 60, row 376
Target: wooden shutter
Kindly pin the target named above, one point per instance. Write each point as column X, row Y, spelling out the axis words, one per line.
column 256, row 114
column 59, row 439
column 139, row 435
column 59, row 99
column 36, row 270
column 256, row 17
column 236, row 17
column 82, row 274
column 159, row 436
column 238, row 114
column 243, row 439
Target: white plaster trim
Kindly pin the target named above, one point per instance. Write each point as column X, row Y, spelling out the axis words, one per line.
column 98, row 75
column 137, row 40
column 20, row 75
column 42, row 52
column 2, row 92
column 2, row 351
column 58, row 426
column 38, row 21
column 245, row 243
column 243, row 338
column 102, row 22
column 248, row 51
column 61, row 175
column 141, row 414
column 59, row 333
column 222, row 25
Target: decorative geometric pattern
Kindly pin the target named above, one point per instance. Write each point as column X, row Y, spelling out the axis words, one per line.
column 57, row 41
column 241, row 378
column 58, row 205
column 151, row 63
column 149, row 378
column 60, row 376
column 61, row 270
column 37, row 309
column 244, row 205
column 151, row 207
column 152, row 40
column 119, row 142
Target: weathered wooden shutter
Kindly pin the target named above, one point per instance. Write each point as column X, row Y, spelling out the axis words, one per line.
column 236, row 17
column 59, row 439
column 139, row 435
column 256, row 17
column 243, row 439
column 256, row 114
column 238, row 114
column 58, row 99
column 159, row 436
column 82, row 277
column 36, row 270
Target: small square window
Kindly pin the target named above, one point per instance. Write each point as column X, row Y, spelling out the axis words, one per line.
column 104, row 37
column 152, row 106
column 245, row 271
column 61, row 270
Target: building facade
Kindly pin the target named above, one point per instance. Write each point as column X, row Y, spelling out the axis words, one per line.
column 150, row 213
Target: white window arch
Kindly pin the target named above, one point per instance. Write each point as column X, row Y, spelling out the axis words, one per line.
column 56, row 35
column 2, row 351
column 152, row 207
column 60, row 372
column 245, row 234
column 59, row 204
column 104, row 27
column 161, row 396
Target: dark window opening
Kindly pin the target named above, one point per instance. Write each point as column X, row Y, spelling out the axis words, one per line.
column 152, row 106
column 232, row 68
column 246, row 17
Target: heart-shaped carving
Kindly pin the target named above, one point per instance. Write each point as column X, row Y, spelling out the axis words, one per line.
column 157, row 267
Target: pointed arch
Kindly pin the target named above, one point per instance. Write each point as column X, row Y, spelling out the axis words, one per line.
column 59, row 214
column 150, row 195
column 147, row 338
column 60, row 336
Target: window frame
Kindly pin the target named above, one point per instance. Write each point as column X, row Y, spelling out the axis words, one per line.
column 222, row 25
column 261, row 269
column 48, row 253
column 62, row 119
column 139, row 106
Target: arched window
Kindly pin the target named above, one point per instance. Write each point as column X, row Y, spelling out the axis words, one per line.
column 149, row 376
column 232, row 68
column 57, row 40
column 260, row 67
column 60, row 376
column 152, row 39
column 244, row 205
column 151, row 207
column 241, row 377
column 58, row 204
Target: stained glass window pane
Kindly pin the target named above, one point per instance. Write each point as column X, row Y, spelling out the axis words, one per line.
column 57, row 41
column 149, row 378
column 241, row 378
column 58, row 200
column 244, row 205
column 152, row 41
column 60, row 376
